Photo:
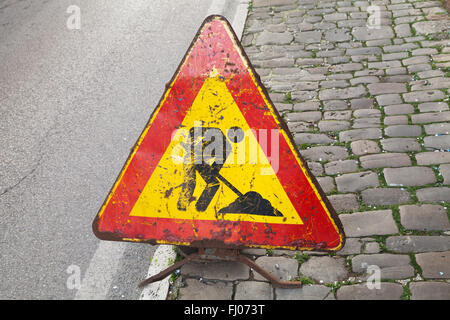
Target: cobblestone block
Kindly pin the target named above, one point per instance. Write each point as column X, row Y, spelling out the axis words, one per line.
column 439, row 142
column 423, row 96
column 271, row 3
column 405, row 244
column 371, row 247
column 395, row 120
column 428, row 27
column 202, row 290
column 325, row 153
column 394, row 56
column 392, row 266
column 326, row 183
column 384, row 64
column 400, row 47
column 315, row 168
column 300, row 126
column 337, row 115
column 355, row 182
column 435, row 265
column 312, row 138
column 253, row 290
column 367, row 113
column 437, row 128
column 396, row 71
column 217, row 271
column 307, row 106
column 346, row 93
column 436, row 157
column 341, row 166
column 386, row 88
column 309, row 116
column 337, row 35
column 381, row 160
column 400, row 144
column 387, row 291
column 333, row 105
column 364, row 51
column 267, row 37
column 415, row 60
column 364, row 33
column 399, row 109
column 365, row 79
column 352, row 246
column 430, row 290
column 444, row 170
column 325, row 269
column 385, row 196
column 344, row 202
column 409, row 176
column 366, row 123
column 419, row 67
column 433, row 106
column 368, row 223
column 281, row 267
column 303, row 95
column 403, row 131
column 362, row 147
column 306, row 292
column 333, row 125
column 389, row 99
column 360, row 134
column 424, row 217
column 430, row 74
column 403, row 30
column 434, row 194
column 308, row 37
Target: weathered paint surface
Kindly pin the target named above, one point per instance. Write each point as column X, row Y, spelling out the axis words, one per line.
column 159, row 198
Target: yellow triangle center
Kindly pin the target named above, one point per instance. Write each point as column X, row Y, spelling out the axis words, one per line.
column 244, row 171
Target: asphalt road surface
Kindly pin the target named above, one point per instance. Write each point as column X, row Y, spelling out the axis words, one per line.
column 74, row 97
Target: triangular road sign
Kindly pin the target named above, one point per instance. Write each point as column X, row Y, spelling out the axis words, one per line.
column 216, row 166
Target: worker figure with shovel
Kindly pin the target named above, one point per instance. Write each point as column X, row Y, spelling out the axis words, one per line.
column 207, row 153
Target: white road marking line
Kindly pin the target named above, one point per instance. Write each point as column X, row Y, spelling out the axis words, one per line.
column 163, row 257
column 101, row 270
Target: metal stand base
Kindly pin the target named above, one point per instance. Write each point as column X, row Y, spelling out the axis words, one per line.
column 213, row 254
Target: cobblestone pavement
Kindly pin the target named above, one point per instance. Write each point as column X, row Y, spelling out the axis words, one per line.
column 368, row 109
